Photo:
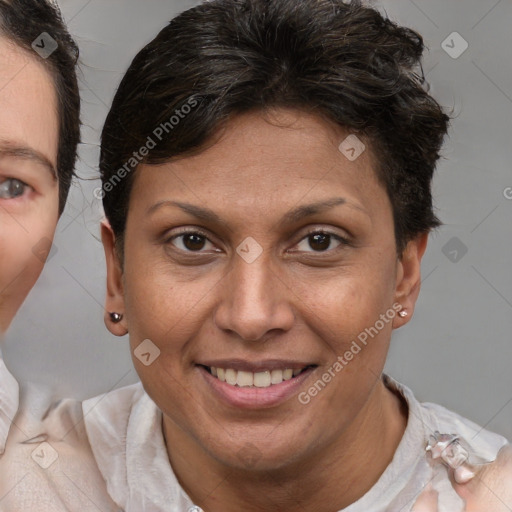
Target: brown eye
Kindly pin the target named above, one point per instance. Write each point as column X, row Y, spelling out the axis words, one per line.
column 319, row 241
column 194, row 242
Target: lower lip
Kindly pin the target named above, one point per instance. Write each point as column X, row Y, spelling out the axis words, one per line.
column 252, row 397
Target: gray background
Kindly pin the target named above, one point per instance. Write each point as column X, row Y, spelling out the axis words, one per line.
column 457, row 349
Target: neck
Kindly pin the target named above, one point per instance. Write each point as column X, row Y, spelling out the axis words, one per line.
column 333, row 478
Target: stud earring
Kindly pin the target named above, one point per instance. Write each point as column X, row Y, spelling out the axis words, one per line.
column 402, row 313
column 115, row 317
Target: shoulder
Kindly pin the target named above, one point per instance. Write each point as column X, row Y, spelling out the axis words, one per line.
column 119, row 424
column 471, row 466
column 48, row 464
column 482, row 444
column 491, row 489
column 9, row 393
column 107, row 420
column 107, row 416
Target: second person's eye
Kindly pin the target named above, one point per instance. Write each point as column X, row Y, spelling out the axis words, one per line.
column 11, row 188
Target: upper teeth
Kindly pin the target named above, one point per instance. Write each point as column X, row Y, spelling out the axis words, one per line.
column 259, row 379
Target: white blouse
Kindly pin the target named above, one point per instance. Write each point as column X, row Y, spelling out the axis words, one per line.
column 9, row 399
column 125, row 432
column 47, row 464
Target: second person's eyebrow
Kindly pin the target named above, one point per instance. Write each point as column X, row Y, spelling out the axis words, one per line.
column 14, row 150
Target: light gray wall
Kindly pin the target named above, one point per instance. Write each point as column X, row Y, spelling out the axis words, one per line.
column 456, row 351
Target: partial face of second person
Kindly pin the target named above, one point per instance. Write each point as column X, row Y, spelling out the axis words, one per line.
column 328, row 269
column 28, row 185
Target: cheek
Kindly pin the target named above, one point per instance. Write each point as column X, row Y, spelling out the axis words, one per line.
column 23, row 251
column 160, row 304
column 352, row 314
column 344, row 304
column 169, row 314
column 24, row 243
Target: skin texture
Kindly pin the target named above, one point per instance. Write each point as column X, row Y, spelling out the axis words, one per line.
column 28, row 151
column 291, row 303
column 489, row 490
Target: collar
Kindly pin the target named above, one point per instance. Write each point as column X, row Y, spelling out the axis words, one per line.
column 125, row 433
column 9, row 401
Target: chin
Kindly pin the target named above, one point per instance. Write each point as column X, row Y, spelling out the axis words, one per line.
column 252, row 454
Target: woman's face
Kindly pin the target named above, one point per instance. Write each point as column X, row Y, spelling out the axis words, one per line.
column 267, row 254
column 28, row 184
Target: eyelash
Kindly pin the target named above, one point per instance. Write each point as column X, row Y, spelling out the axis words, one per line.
column 343, row 241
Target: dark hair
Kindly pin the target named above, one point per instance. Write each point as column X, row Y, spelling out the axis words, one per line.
column 343, row 61
column 24, row 21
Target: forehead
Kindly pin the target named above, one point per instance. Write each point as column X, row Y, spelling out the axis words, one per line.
column 28, row 102
column 264, row 162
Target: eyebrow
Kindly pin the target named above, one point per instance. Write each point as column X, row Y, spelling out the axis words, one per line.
column 14, row 150
column 290, row 217
column 308, row 210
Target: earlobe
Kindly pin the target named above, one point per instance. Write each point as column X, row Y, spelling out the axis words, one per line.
column 408, row 281
column 115, row 319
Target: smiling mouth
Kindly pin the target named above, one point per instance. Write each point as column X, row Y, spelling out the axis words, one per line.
column 262, row 379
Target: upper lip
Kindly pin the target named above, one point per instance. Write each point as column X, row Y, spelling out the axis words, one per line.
column 256, row 366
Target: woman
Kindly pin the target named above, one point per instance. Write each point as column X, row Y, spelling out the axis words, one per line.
column 38, row 139
column 266, row 170
column 39, row 134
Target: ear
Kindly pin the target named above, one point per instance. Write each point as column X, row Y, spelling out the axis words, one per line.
column 114, row 301
column 408, row 278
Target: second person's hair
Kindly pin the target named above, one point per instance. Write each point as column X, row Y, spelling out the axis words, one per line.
column 23, row 22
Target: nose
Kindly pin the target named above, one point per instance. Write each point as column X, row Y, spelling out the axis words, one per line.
column 255, row 302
